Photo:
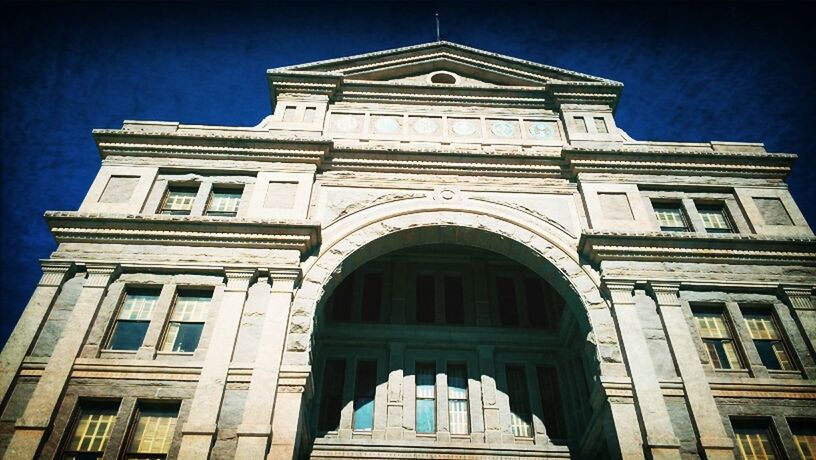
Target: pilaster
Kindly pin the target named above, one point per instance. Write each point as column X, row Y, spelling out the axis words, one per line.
column 800, row 301
column 649, row 402
column 31, row 427
column 31, row 321
column 705, row 415
column 288, row 421
column 256, row 425
column 198, row 432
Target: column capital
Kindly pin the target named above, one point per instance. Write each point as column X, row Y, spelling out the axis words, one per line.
column 799, row 296
column 620, row 290
column 284, row 279
column 666, row 293
column 54, row 272
column 100, row 275
column 239, row 278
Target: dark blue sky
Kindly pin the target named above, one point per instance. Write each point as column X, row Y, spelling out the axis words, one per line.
column 692, row 72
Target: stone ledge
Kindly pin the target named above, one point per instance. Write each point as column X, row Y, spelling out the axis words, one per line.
column 78, row 227
column 367, row 448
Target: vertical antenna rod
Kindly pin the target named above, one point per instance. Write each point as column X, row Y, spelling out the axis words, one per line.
column 437, row 27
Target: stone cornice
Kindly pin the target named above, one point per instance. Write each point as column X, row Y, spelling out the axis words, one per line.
column 599, row 246
column 211, row 143
column 76, row 227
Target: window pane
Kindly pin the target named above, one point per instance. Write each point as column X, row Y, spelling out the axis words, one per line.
column 425, row 416
column 506, row 294
column 425, row 380
column 714, row 219
column 343, row 299
column 364, row 395
column 372, row 297
column 138, row 306
column 454, row 300
column 128, row 335
column 761, row 325
column 754, row 440
column 711, row 324
column 458, row 399
column 600, row 125
column 670, row 217
column 93, row 426
column 580, row 124
column 767, row 354
column 425, row 397
column 332, row 401
column 804, row 434
column 520, row 415
column 551, row 402
column 425, row 299
column 154, row 431
column 224, row 202
column 191, row 307
column 182, row 337
column 179, row 200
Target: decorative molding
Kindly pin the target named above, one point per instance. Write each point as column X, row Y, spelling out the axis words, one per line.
column 239, row 278
column 100, row 275
column 799, row 297
column 600, row 246
column 77, row 227
column 526, row 210
column 382, row 199
column 666, row 294
column 54, row 272
column 620, row 291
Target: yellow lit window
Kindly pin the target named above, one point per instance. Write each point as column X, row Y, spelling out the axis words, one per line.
column 92, row 429
column 755, row 440
column 716, row 336
column 804, row 434
column 153, row 432
column 767, row 339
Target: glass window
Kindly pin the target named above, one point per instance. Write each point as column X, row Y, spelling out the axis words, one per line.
column 332, row 399
column 425, row 299
column 364, row 389
column 755, row 440
column 92, row 428
column 520, row 415
column 187, row 321
column 600, row 125
column 153, row 431
column 670, row 217
column 580, row 124
column 715, row 219
column 717, row 338
column 767, row 339
column 425, row 397
column 544, row 304
column 551, row 402
column 804, row 434
column 179, row 200
column 454, row 300
column 224, row 202
column 372, row 297
column 506, row 294
column 343, row 300
column 133, row 320
column 458, row 399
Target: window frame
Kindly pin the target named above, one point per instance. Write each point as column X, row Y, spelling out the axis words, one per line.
column 226, row 189
column 720, row 310
column 720, row 207
column 749, row 310
column 768, row 426
column 65, row 451
column 180, row 292
column 660, row 204
column 434, row 398
column 128, row 290
column 466, row 372
column 519, row 399
column 133, row 426
column 163, row 209
column 798, row 425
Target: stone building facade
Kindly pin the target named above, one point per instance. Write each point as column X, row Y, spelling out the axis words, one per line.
column 427, row 252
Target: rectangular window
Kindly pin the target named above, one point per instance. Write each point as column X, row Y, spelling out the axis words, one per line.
column 580, row 124
column 755, row 440
column 364, row 390
column 309, row 115
column 458, row 399
column 92, row 428
column 224, row 202
column 804, row 434
column 520, row 415
column 506, row 294
column 343, row 300
column 331, row 403
column 179, row 200
column 717, row 338
column 289, row 113
column 153, row 431
column 187, row 321
column 715, row 219
column 372, row 297
column 133, row 320
column 425, row 398
column 670, row 217
column 454, row 300
column 767, row 339
column 425, row 299
column 551, row 402
column 600, row 125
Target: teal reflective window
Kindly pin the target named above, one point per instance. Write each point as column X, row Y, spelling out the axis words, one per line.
column 364, row 389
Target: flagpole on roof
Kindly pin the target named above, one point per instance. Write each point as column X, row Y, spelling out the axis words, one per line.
column 437, row 27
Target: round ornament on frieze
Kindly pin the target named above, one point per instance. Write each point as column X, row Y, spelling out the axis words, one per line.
column 345, row 123
column 464, row 127
column 502, row 128
column 388, row 125
column 425, row 126
column 542, row 130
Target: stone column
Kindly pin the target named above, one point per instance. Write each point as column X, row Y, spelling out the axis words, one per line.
column 650, row 404
column 256, row 425
column 625, row 430
column 492, row 414
column 396, row 358
column 705, row 415
column 31, row 321
column 30, row 428
column 803, row 312
column 198, row 432
column 294, row 389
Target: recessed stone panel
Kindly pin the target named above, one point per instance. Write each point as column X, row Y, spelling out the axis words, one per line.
column 281, row 195
column 119, row 189
column 773, row 211
column 616, row 206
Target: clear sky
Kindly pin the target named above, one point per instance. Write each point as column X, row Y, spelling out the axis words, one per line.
column 692, row 72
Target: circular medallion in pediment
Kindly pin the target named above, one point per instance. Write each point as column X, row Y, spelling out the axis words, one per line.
column 425, row 126
column 464, row 127
column 388, row 125
column 345, row 123
column 502, row 128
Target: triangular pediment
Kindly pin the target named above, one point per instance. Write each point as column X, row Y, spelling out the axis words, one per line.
column 418, row 65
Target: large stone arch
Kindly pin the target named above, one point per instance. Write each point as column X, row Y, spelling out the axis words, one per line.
column 389, row 228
